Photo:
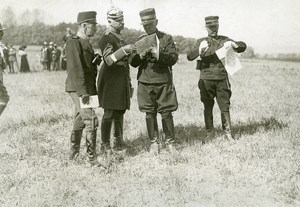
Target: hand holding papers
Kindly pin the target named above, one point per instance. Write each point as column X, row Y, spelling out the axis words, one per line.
column 93, row 102
column 148, row 44
column 229, row 58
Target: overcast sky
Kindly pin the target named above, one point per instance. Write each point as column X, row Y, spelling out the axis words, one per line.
column 269, row 26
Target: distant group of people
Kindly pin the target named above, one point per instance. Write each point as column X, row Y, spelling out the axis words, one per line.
column 10, row 55
column 50, row 57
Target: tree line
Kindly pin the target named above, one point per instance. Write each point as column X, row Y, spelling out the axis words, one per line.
column 29, row 29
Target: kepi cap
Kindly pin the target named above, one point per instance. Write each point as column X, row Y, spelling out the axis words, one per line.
column 87, row 16
column 211, row 20
column 1, row 28
column 147, row 16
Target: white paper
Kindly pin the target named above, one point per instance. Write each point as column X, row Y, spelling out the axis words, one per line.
column 229, row 59
column 93, row 102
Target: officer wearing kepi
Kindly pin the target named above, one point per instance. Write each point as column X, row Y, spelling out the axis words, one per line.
column 156, row 92
column 114, row 80
column 214, row 81
column 81, row 82
column 4, row 98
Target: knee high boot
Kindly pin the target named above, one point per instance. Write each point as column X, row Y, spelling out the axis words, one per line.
column 152, row 128
column 105, row 138
column 208, row 118
column 168, row 128
column 226, row 125
column 105, row 132
column 91, row 137
column 75, row 143
column 119, row 142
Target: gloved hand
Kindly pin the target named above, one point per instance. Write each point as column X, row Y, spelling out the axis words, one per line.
column 153, row 51
column 146, row 53
column 230, row 44
column 85, row 98
column 97, row 59
column 130, row 48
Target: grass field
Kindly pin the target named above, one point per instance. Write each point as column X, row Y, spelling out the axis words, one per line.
column 261, row 169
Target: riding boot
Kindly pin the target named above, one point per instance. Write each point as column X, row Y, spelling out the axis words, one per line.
column 118, row 127
column 152, row 128
column 226, row 125
column 168, row 128
column 75, row 143
column 105, row 132
column 208, row 118
column 91, row 137
column 209, row 122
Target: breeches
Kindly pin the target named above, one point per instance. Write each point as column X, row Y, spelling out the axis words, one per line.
column 153, row 98
column 83, row 118
column 219, row 89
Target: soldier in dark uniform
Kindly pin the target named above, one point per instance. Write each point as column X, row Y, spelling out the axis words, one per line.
column 81, row 82
column 156, row 92
column 214, row 81
column 114, row 78
column 4, row 98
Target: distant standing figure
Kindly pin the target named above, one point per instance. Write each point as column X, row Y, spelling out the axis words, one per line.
column 50, row 50
column 12, row 58
column 4, row 98
column 44, row 58
column 24, row 66
column 214, row 81
column 54, row 58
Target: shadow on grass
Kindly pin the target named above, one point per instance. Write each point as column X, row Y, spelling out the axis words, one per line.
column 191, row 134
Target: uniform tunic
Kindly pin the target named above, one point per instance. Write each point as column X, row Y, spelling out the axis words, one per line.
column 81, row 80
column 114, row 77
column 156, row 92
column 213, row 75
column 81, row 72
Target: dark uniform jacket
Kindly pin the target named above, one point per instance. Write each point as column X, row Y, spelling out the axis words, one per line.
column 210, row 65
column 157, row 71
column 80, row 69
column 114, row 77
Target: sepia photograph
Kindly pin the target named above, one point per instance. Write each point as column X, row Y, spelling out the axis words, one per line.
column 150, row 103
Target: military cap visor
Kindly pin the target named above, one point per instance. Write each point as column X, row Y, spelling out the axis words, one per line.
column 89, row 16
column 211, row 20
column 147, row 16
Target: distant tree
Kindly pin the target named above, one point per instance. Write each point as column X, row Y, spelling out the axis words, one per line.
column 8, row 17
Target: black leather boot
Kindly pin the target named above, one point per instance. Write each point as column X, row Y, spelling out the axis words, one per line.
column 226, row 125
column 91, row 137
column 208, row 118
column 152, row 128
column 75, row 143
column 168, row 128
column 105, row 132
column 119, row 142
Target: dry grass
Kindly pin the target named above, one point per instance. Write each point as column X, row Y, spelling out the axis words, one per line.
column 261, row 169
